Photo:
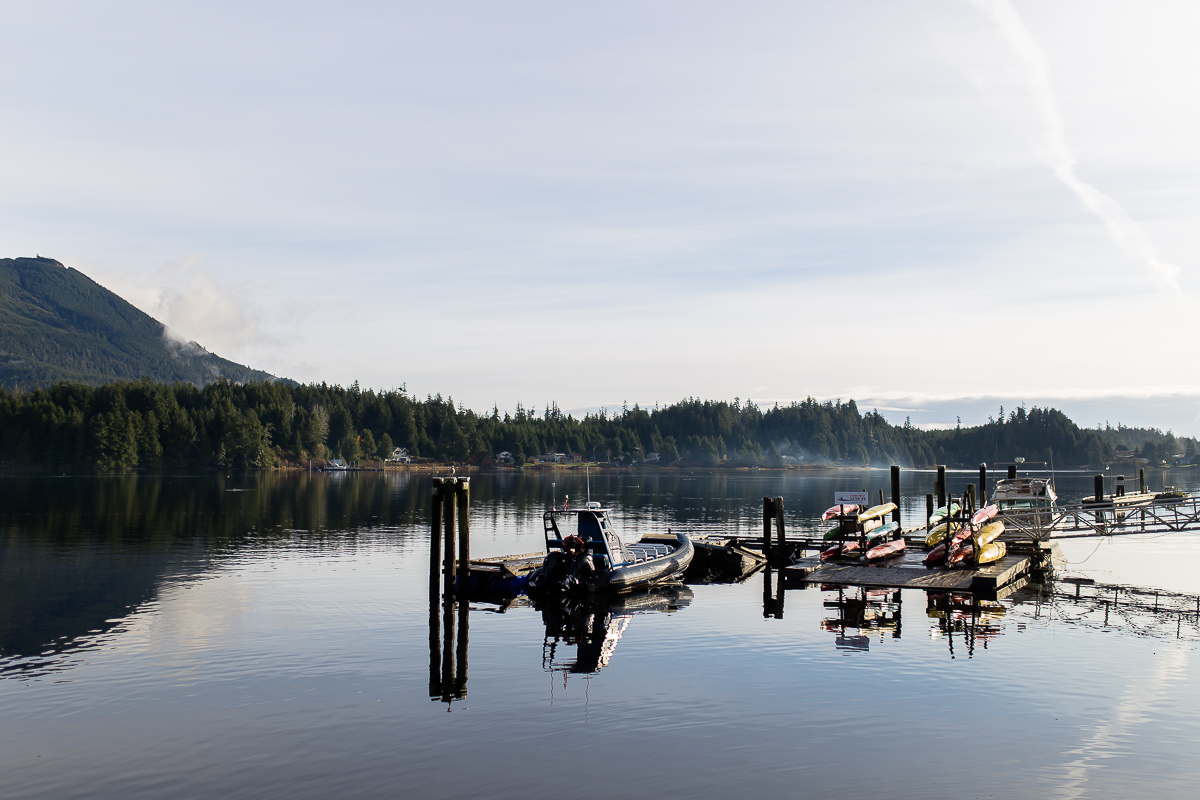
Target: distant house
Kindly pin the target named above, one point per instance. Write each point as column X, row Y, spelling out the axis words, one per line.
column 577, row 458
column 504, row 457
column 790, row 459
column 652, row 458
column 400, row 456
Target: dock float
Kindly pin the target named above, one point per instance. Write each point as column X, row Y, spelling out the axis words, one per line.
column 909, row 572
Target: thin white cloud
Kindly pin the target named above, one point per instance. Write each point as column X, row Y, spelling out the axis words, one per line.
column 1124, row 230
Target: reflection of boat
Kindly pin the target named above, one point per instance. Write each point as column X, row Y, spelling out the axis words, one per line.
column 595, row 625
column 595, row 559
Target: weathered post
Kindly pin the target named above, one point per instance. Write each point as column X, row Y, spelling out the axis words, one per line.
column 896, row 493
column 928, row 510
column 982, row 485
column 768, row 521
column 1012, row 472
column 780, row 536
column 435, row 542
column 1098, row 482
column 941, row 485
column 969, row 501
column 448, row 544
column 881, row 497
column 462, row 493
column 1142, row 479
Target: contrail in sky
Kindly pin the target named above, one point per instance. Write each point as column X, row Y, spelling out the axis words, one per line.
column 1128, row 235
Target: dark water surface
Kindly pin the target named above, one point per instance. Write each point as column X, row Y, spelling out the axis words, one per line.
column 269, row 636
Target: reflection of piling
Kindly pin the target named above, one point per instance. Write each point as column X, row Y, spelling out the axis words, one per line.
column 772, row 593
column 896, row 493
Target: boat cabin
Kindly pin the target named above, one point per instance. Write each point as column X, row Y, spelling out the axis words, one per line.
column 595, row 528
column 1024, row 494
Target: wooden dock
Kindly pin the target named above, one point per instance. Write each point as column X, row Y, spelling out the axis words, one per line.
column 908, row 572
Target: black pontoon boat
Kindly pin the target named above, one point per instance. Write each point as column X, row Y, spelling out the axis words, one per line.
column 594, row 558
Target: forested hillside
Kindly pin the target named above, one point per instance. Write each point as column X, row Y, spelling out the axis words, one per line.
column 260, row 424
column 57, row 324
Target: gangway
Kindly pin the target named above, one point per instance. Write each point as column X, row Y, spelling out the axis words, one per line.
column 1111, row 517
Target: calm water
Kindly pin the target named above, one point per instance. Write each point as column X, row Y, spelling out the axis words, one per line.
column 270, row 635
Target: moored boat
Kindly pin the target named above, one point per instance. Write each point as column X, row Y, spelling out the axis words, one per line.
column 594, row 558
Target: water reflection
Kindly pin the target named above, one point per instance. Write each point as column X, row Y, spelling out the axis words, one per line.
column 595, row 625
column 863, row 611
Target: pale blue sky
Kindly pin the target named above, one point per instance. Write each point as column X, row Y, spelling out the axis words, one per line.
column 538, row 201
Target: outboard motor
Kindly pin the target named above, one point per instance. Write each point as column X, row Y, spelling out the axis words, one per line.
column 564, row 570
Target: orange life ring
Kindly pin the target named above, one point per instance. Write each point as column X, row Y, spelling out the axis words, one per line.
column 574, row 546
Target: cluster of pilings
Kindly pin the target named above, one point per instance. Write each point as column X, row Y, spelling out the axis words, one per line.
column 449, row 580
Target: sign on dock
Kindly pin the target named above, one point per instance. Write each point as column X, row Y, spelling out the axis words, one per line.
column 858, row 498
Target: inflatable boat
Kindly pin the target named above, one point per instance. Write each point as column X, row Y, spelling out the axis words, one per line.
column 593, row 558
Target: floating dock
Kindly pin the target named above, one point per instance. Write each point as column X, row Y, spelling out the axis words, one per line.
column 907, row 571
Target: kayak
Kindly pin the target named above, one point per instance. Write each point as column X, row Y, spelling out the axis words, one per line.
column 884, row 550
column 889, row 528
column 987, row 554
column 988, row 533
column 876, row 511
column 992, row 552
column 936, row 556
column 939, row 533
column 877, row 538
column 870, row 525
column 837, row 511
column 943, row 512
column 984, row 514
column 832, row 533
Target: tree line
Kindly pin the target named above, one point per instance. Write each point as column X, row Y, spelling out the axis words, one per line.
column 266, row 424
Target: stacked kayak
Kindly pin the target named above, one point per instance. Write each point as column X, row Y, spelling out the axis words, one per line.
column 964, row 542
column 869, row 527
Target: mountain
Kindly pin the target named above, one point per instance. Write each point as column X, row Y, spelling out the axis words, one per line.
column 57, row 324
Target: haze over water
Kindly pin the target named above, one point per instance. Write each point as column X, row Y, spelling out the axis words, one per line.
column 269, row 635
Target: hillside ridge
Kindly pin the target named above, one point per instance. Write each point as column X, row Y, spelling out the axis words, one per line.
column 57, row 324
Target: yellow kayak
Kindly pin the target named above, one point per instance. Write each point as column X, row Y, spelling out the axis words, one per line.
column 875, row 512
column 939, row 533
column 988, row 533
column 992, row 552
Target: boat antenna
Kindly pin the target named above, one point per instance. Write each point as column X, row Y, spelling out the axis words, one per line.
column 588, row 472
column 1051, row 449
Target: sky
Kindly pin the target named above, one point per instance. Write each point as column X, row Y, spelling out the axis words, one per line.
column 935, row 207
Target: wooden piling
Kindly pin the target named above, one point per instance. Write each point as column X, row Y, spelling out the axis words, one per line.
column 780, row 535
column 928, row 509
column 983, row 484
column 448, row 539
column 1012, row 472
column 1098, row 483
column 896, row 493
column 1142, row 479
column 768, row 521
column 462, row 496
column 435, row 542
column 941, row 485
column 969, row 500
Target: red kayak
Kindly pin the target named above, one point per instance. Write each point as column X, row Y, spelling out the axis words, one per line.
column 964, row 552
column 984, row 514
column 837, row 511
column 936, row 556
column 890, row 549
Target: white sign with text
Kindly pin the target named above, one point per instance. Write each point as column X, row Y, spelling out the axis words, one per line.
column 858, row 498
